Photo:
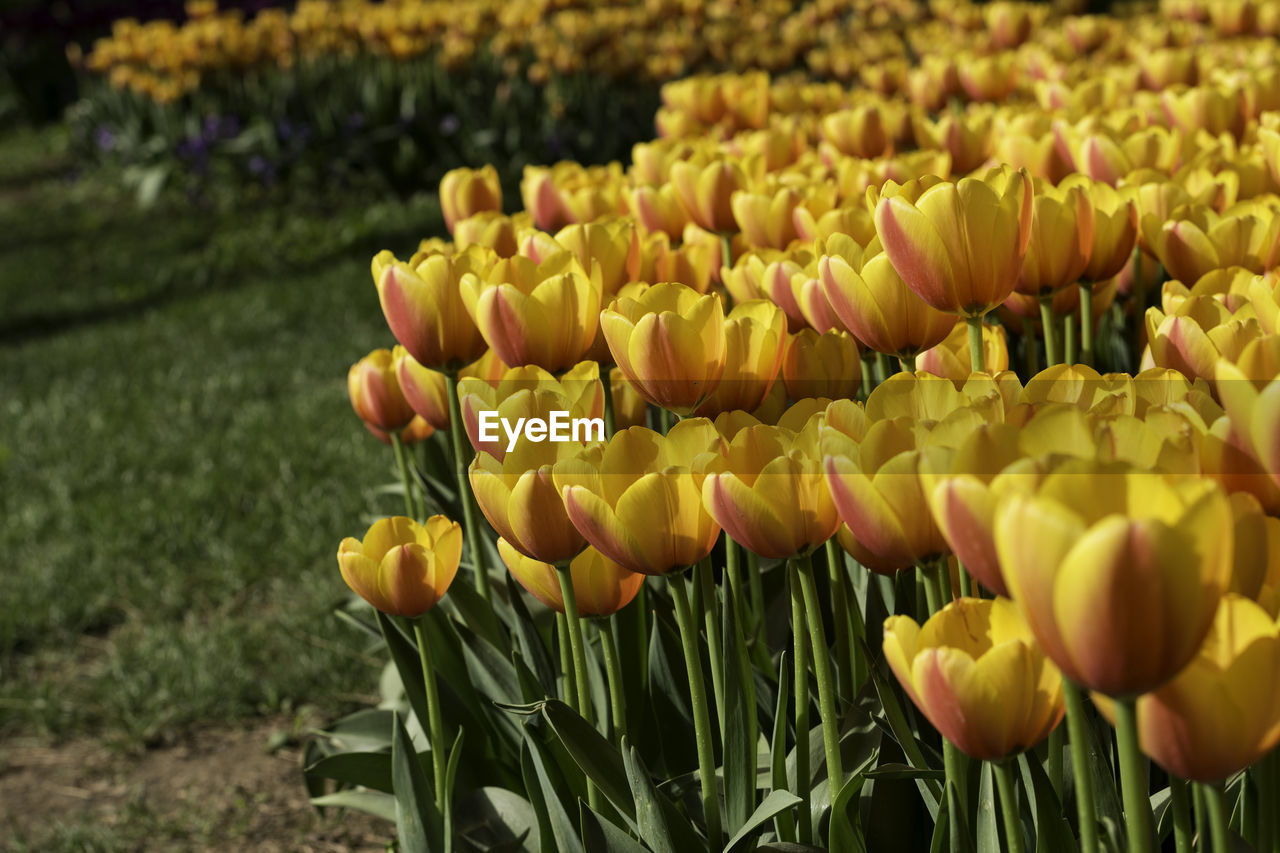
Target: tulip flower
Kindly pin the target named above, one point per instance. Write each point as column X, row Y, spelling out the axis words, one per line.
column 1061, row 240
column 768, row 492
column 466, row 192
column 375, row 392
column 535, row 313
column 403, row 568
column 755, row 341
column 975, row 671
column 1253, row 407
column 826, row 365
column 966, row 137
column 669, row 341
column 951, row 357
column 638, row 500
column 528, row 392
column 424, row 308
column 1222, row 711
column 601, row 587
column 611, row 242
column 491, row 230
column 960, row 246
column 858, row 131
column 1117, row 571
column 705, row 192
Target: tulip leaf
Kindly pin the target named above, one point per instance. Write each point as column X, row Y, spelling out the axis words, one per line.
column 930, row 790
column 450, row 777
column 368, row 730
column 496, row 819
column 669, row 693
column 740, row 723
column 405, row 656
column 1053, row 832
column 562, row 829
column 531, row 690
column 905, row 771
column 366, row 769
column 845, row 827
column 603, row 835
column 419, row 824
column 546, row 836
column 773, row 805
column 660, row 825
column 598, row 758
column 530, row 641
column 375, row 803
column 788, row 847
column 941, row 827
column 466, row 605
column 988, row 833
column 784, row 821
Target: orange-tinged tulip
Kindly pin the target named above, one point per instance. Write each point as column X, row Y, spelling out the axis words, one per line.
column 669, row 341
column 1193, row 336
column 852, row 219
column 525, row 393
column 1117, row 570
column 951, row 358
column 705, row 192
column 611, row 242
column 490, row 230
column 658, row 208
column 530, row 313
column 966, row 137
column 755, row 335
column 402, row 567
column 1061, row 240
column 874, row 303
column 1199, row 239
column 375, row 392
column 638, row 500
column 1222, row 712
column 988, row 78
column 424, row 308
column 1115, row 230
column 1253, row 407
column 960, row 246
column 425, row 390
column 600, row 586
column 824, row 365
column 466, row 192
column 692, row 263
column 858, row 131
column 768, row 492
column 975, row 671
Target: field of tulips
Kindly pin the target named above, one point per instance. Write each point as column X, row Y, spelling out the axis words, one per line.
column 933, row 500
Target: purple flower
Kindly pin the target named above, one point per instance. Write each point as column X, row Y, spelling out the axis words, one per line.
column 105, row 138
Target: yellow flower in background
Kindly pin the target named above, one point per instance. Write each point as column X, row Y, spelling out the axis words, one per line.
column 638, row 500
column 975, row 671
column 1117, row 570
column 755, row 334
column 824, row 365
column 1222, row 712
column 1061, row 240
column 705, row 192
column 491, row 230
column 600, row 586
column 669, row 341
column 402, row 567
column 466, row 192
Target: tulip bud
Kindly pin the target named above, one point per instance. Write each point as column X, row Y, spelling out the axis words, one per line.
column 403, row 568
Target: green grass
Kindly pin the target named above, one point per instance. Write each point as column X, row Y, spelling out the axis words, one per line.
column 178, row 459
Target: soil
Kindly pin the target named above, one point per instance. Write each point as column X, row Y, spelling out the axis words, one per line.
column 215, row 789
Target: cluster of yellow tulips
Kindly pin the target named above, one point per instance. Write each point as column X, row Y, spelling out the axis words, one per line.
column 793, row 316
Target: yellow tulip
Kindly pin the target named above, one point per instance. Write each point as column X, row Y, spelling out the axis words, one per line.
column 402, row 567
column 424, row 308
column 975, row 671
column 824, row 365
column 755, row 334
column 375, row 392
column 527, row 392
column 1061, row 239
column 951, row 357
column 705, row 192
column 466, row 192
column 600, row 586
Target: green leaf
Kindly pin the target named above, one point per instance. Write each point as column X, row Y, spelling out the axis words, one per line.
column 778, row 747
column 405, row 656
column 368, row 730
column 562, row 828
column 602, row 835
column 450, row 776
column 546, row 837
column 988, row 833
column 466, row 605
column 669, row 694
column 845, row 829
column 941, row 825
column 531, row 689
column 375, row 803
column 496, row 819
column 905, row 771
column 774, row 804
column 531, row 646
column 366, row 769
column 660, row 825
column 419, row 824
column 740, row 723
column 598, row 758
column 788, row 847
column 1053, row 833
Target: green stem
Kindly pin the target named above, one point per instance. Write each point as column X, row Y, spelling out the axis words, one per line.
column 883, row 371
column 435, row 724
column 955, row 767
column 1202, row 821
column 800, row 645
column 664, row 420
column 726, row 251
column 1137, row 805
column 977, row 356
column 1178, row 802
column 1047, row 323
column 1056, row 738
column 610, row 423
column 931, row 576
column 1008, row 805
column 701, row 715
column 1069, row 339
column 403, row 465
column 756, row 583
column 966, row 582
column 1081, row 766
column 566, row 661
column 907, row 363
column 868, row 378
column 577, row 646
column 469, row 511
column 715, row 646
column 613, row 672
column 1086, row 323
column 734, row 600
column 1216, row 807
column 822, row 672
column 843, row 624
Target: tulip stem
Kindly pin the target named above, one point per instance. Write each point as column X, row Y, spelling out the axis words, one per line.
column 1178, row 797
column 953, row 763
column 1086, row 323
column 966, row 582
column 1047, row 324
column 726, row 251
column 1069, row 338
column 977, row 355
column 465, row 495
column 822, row 672
column 883, row 371
column 755, row 582
column 800, row 647
column 1055, row 760
column 1137, row 805
column 1008, row 806
column 613, row 672
column 715, row 645
column 701, row 715
column 841, row 621
column 932, row 576
column 410, row 505
column 435, row 723
column 868, row 378
column 578, row 650
column 566, row 661
column 1216, row 807
column 907, row 363
column 1081, row 766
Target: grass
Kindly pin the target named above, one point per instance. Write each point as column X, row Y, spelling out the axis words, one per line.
column 178, row 459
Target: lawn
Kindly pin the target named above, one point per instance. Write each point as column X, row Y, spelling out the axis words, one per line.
column 178, row 459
